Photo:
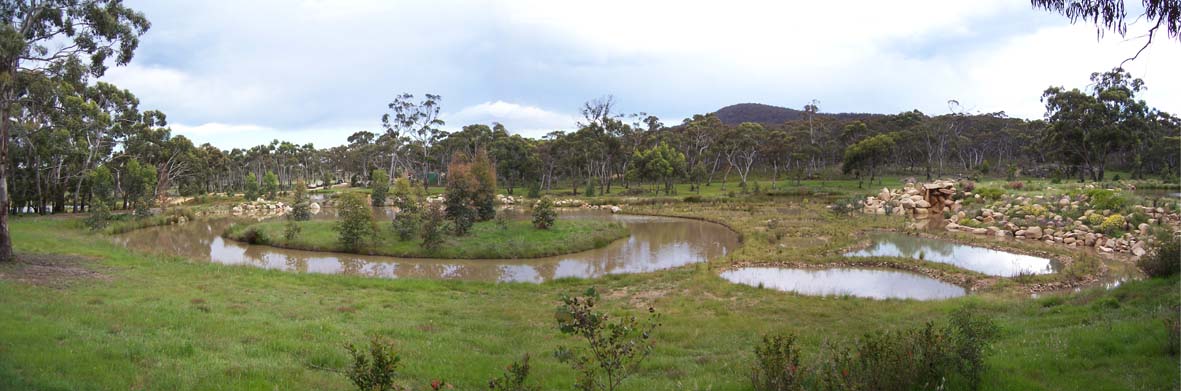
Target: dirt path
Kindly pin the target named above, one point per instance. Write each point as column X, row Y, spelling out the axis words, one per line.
column 51, row 270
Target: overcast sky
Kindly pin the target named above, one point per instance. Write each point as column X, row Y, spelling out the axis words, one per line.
column 240, row 73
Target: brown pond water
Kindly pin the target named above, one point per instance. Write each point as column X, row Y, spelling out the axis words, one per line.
column 655, row 243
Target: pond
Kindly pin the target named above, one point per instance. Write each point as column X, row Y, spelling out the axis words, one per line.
column 980, row 259
column 654, row 243
column 866, row 283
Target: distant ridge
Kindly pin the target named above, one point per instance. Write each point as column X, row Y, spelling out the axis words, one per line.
column 772, row 115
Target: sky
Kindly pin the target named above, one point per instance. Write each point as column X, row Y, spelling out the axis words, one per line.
column 241, row 73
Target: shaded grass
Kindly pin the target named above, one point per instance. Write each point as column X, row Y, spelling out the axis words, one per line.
column 487, row 240
column 166, row 323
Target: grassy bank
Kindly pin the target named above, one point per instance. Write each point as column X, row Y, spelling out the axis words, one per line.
column 142, row 322
column 487, row 240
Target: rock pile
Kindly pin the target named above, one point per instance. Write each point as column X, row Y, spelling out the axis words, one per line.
column 262, row 207
column 920, row 201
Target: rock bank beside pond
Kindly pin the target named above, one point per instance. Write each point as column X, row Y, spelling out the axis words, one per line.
column 1102, row 219
column 261, row 207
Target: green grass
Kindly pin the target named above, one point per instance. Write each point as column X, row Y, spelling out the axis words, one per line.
column 487, row 240
column 168, row 323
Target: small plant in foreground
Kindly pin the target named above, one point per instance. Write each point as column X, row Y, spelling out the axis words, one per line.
column 502, row 220
column 544, row 214
column 515, row 379
column 616, row 348
column 777, row 364
column 376, row 369
column 291, row 229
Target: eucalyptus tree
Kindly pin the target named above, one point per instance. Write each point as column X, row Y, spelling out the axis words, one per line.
column 419, row 121
column 741, row 147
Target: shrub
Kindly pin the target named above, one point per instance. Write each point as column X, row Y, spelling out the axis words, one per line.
column 616, row 348
column 535, row 190
column 1164, row 259
column 515, row 379
column 846, row 206
column 250, row 187
column 100, row 216
column 544, row 214
column 1094, row 220
column 502, row 220
column 432, row 227
column 968, row 185
column 301, row 205
column 991, row 193
column 1112, row 224
column 590, row 189
column 1106, row 199
column 355, row 222
column 461, row 189
column 376, row 369
column 1015, row 185
column 291, row 229
column 484, row 194
column 777, row 364
column 1173, row 328
column 270, row 185
column 1033, row 209
column 379, row 186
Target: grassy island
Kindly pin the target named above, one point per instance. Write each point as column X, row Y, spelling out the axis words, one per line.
column 487, row 240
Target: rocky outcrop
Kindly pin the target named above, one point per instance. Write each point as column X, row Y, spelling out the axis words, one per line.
column 261, row 207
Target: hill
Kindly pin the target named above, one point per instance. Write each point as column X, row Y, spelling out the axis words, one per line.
column 772, row 115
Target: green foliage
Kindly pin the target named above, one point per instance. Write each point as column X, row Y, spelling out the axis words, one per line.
column 484, row 194
column 100, row 216
column 291, row 229
column 1102, row 199
column 1164, row 259
column 250, row 188
column 140, row 187
column 433, row 226
column 590, row 189
column 846, row 206
column 660, row 163
column 927, row 358
column 1032, row 209
column 544, row 214
column 379, row 186
column 407, row 199
column 102, row 187
column 985, row 167
column 535, row 189
column 615, row 347
column 301, row 204
column 460, row 192
column 354, row 223
column 502, row 220
column 868, row 154
column 516, row 378
column 270, row 185
column 777, row 364
column 375, row 369
column 990, row 193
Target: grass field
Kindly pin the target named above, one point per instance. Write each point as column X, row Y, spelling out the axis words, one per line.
column 148, row 323
column 487, row 240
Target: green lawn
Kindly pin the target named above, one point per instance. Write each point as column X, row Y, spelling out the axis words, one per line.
column 487, row 240
column 162, row 323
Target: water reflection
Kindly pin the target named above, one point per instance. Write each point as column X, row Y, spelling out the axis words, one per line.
column 980, row 259
column 867, row 283
column 655, row 243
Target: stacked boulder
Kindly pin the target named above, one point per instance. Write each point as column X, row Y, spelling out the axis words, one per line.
column 261, row 207
column 919, row 201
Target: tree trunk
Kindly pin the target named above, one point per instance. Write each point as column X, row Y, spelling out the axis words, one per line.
column 5, row 238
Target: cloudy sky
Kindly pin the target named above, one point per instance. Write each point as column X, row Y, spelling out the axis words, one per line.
column 240, row 73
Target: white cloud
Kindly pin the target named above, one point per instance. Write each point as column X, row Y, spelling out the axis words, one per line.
column 529, row 121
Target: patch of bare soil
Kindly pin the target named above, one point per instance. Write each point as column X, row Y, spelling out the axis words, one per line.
column 51, row 270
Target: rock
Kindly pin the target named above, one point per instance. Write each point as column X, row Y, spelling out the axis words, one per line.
column 979, row 231
column 952, row 226
column 1068, row 240
column 314, row 206
column 1065, row 201
column 1020, row 233
column 1138, row 251
column 922, row 204
column 1004, row 233
column 1034, row 232
column 885, row 195
column 1143, row 228
column 616, row 209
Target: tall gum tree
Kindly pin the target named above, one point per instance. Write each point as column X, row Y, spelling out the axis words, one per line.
column 38, row 34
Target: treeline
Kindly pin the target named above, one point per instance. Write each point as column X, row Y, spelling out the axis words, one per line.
column 70, row 127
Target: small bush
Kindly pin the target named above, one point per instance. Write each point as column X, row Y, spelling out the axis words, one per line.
column 379, row 186
column 535, row 190
column 1015, row 185
column 991, row 193
column 433, row 226
column 846, row 206
column 1112, row 224
column 502, row 220
column 355, row 222
column 1173, row 328
column 1164, row 259
column 616, row 348
column 1106, row 199
column 291, row 229
column 777, row 364
column 515, row 379
column 968, row 185
column 376, row 369
column 544, row 214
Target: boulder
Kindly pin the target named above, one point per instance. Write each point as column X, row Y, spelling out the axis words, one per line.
column 1065, row 201
column 1143, row 228
column 922, row 204
column 1138, row 251
column 1034, row 232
